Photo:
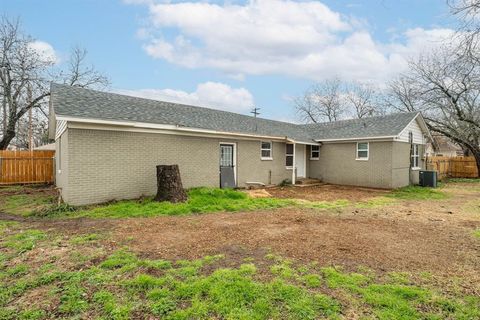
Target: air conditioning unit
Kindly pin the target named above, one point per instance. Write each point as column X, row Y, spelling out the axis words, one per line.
column 428, row 178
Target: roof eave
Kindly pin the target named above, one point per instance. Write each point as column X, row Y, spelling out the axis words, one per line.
column 356, row 138
column 170, row 127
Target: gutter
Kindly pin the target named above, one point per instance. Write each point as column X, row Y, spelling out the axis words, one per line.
column 178, row 128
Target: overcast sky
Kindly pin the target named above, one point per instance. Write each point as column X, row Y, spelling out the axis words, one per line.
column 235, row 54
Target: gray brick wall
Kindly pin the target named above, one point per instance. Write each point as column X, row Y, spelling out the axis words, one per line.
column 107, row 165
column 337, row 165
column 387, row 166
column 99, row 166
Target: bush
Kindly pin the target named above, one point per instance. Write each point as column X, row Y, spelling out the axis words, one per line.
column 53, row 210
column 284, row 183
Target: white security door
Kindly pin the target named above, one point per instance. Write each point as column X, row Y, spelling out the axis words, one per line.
column 300, row 160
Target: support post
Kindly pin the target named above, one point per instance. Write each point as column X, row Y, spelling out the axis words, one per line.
column 294, row 164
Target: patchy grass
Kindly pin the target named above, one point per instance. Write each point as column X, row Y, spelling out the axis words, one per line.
column 86, row 238
column 327, row 205
column 200, row 200
column 25, row 204
column 376, row 202
column 463, row 180
column 476, row 233
column 122, row 285
column 417, row 193
column 25, row 240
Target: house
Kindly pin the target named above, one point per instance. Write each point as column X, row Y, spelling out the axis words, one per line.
column 108, row 146
column 442, row 146
column 46, row 147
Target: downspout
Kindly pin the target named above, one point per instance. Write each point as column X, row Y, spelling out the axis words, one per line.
column 294, row 164
column 410, row 139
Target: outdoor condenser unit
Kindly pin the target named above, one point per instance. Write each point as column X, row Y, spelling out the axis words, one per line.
column 428, row 178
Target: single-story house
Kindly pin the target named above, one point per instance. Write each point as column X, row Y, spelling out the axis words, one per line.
column 441, row 146
column 46, row 147
column 108, row 146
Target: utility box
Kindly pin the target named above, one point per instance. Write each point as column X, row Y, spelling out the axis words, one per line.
column 428, row 178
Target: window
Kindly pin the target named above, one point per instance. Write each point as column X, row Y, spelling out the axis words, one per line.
column 266, row 150
column 314, row 152
column 289, row 155
column 362, row 150
column 415, row 157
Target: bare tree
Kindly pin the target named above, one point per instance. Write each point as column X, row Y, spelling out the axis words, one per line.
column 25, row 74
column 22, row 68
column 321, row 103
column 445, row 86
column 467, row 12
column 79, row 74
column 362, row 100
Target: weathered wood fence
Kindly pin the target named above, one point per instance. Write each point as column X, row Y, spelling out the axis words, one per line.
column 17, row 167
column 453, row 167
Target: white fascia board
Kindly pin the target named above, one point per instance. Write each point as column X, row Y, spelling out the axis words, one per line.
column 357, row 139
column 172, row 128
column 315, row 143
column 422, row 124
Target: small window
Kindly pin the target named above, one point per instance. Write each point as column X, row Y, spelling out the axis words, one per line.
column 362, row 151
column 289, row 155
column 266, row 150
column 314, row 152
column 415, row 157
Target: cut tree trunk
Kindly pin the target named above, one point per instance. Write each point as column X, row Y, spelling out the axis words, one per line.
column 169, row 184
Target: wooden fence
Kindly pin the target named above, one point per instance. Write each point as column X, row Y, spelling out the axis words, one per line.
column 17, row 167
column 453, row 167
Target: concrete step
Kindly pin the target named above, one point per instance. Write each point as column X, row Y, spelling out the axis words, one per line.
column 307, row 181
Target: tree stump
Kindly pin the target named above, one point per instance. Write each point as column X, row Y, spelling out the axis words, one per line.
column 169, row 184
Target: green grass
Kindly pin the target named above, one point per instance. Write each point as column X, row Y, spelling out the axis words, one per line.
column 327, row 205
column 25, row 240
column 476, row 233
column 376, row 202
column 200, row 200
column 417, row 193
column 86, row 238
column 122, row 285
column 464, row 180
column 24, row 204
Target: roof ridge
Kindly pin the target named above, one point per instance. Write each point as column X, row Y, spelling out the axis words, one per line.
column 360, row 119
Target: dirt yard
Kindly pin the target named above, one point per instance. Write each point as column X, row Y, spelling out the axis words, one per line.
column 407, row 242
column 326, row 192
column 413, row 235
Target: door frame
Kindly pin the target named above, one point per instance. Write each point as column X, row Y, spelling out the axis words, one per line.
column 234, row 144
column 304, row 164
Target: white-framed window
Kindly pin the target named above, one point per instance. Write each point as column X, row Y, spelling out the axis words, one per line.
column 415, row 157
column 362, row 150
column 289, row 155
column 314, row 152
column 266, row 150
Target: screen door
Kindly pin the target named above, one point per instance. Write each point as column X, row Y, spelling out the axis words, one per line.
column 227, row 166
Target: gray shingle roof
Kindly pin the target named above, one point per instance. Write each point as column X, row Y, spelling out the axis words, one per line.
column 91, row 104
column 381, row 126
